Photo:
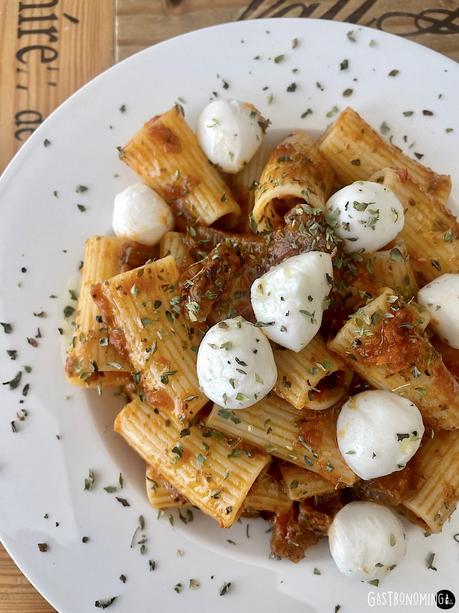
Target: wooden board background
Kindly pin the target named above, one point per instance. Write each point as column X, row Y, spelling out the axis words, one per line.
column 91, row 34
column 434, row 23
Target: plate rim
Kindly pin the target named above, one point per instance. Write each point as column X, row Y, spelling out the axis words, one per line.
column 21, row 155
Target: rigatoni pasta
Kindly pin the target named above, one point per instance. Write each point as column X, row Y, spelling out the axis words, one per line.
column 385, row 344
column 161, row 493
column 267, row 494
column 201, row 465
column 307, row 439
column 450, row 356
column 244, row 183
column 174, row 244
column 91, row 359
column 302, row 483
column 166, row 155
column 142, row 309
column 295, row 172
column 437, row 486
column 371, row 271
column 313, row 378
column 356, row 152
column 430, row 232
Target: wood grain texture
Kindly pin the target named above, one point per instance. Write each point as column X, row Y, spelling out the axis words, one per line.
column 34, row 81
column 16, row 594
column 140, row 23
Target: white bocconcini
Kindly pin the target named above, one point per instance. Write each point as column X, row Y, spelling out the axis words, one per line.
column 235, row 365
column 366, row 540
column 141, row 215
column 230, row 132
column 441, row 298
column 365, row 215
column 378, row 432
column 288, row 300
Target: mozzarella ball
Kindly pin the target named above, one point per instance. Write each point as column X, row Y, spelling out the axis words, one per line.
column 365, row 215
column 288, row 300
column 366, row 540
column 141, row 215
column 230, row 133
column 236, row 365
column 378, row 432
column 441, row 298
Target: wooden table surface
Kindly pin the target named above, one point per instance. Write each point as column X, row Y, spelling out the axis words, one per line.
column 42, row 61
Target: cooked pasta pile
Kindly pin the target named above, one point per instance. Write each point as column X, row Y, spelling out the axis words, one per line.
column 270, row 441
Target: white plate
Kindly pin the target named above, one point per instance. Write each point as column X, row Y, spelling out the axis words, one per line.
column 40, row 474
